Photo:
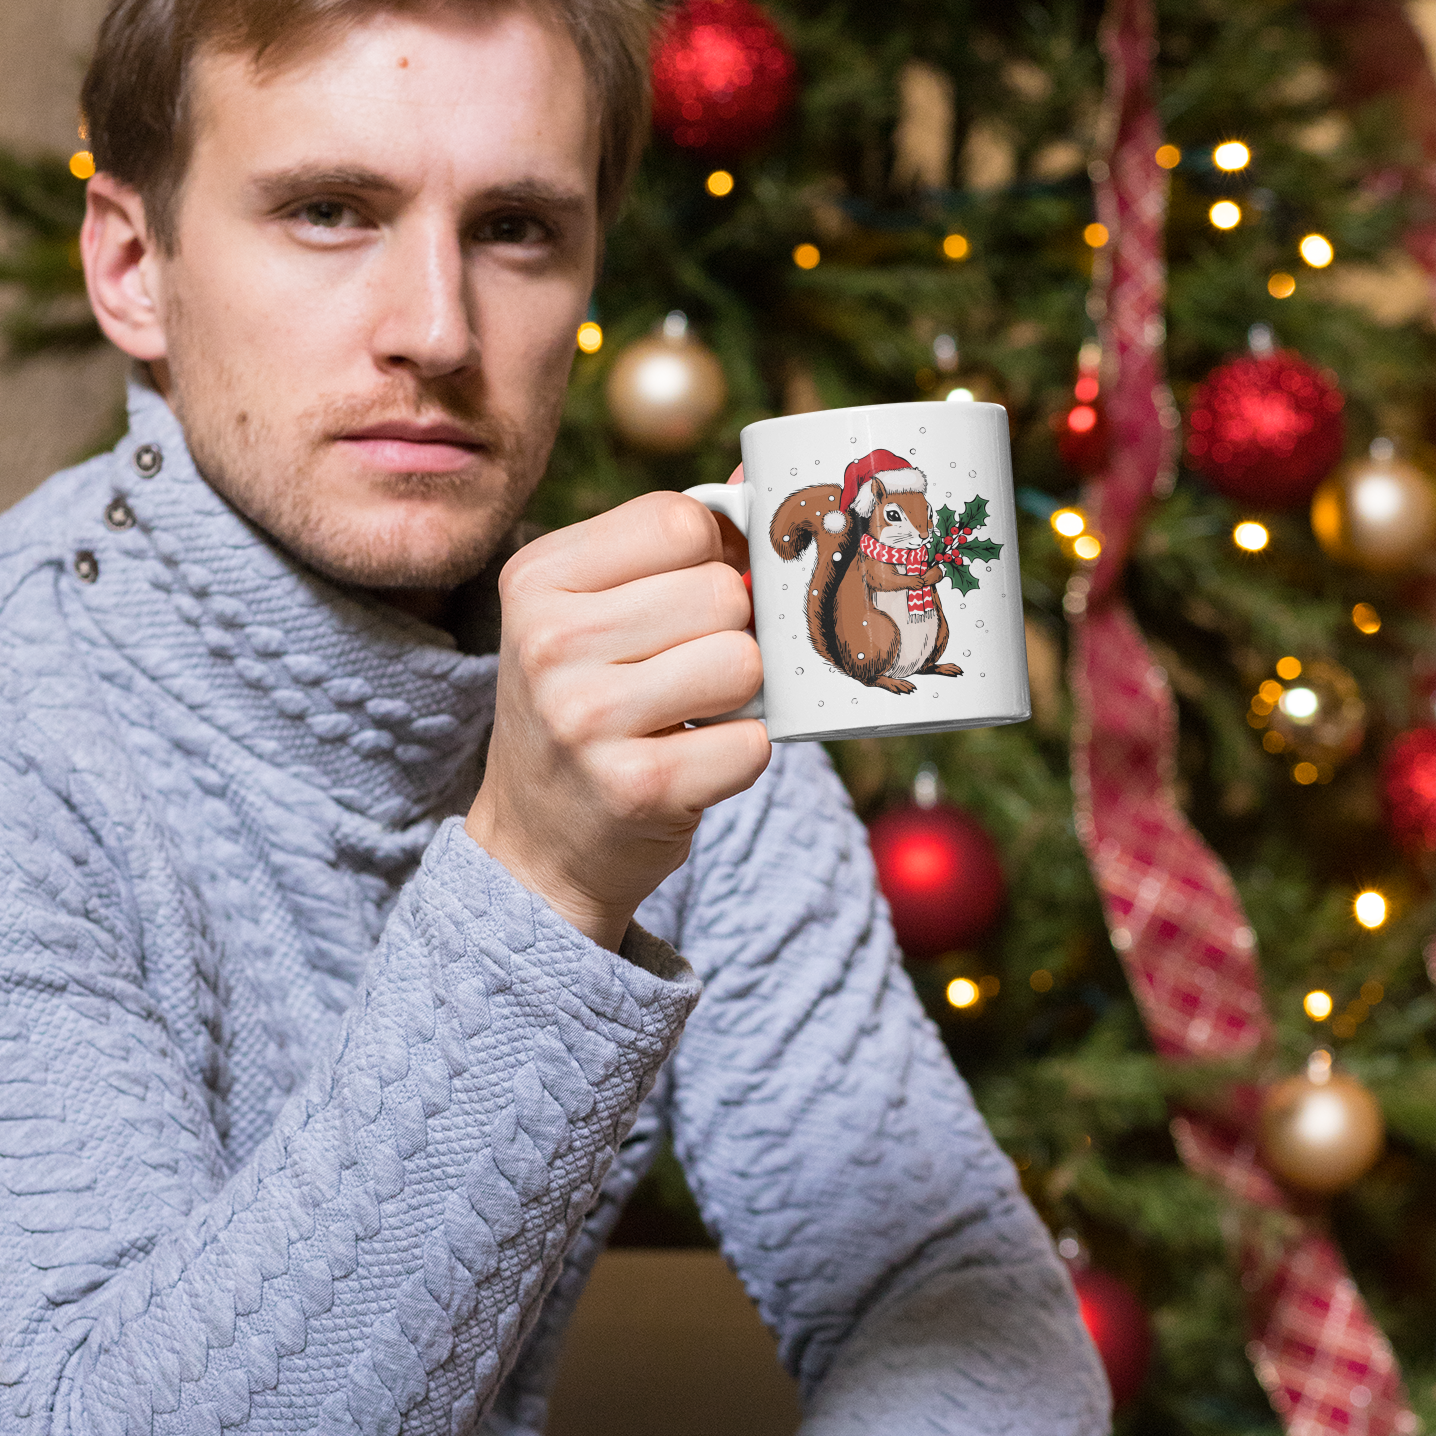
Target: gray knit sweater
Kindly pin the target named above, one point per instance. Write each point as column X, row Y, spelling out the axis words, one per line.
column 313, row 1119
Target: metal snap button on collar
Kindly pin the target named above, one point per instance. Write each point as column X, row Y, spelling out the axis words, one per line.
column 87, row 566
column 118, row 515
column 147, row 460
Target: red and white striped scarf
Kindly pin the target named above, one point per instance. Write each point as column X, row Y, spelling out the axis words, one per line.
column 905, row 560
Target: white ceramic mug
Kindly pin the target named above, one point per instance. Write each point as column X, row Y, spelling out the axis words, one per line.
column 886, row 588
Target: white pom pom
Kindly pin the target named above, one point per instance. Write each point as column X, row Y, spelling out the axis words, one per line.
column 834, row 522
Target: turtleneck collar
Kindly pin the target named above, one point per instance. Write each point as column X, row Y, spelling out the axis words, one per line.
column 332, row 686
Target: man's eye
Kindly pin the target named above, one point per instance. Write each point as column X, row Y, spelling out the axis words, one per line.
column 324, row 213
column 513, row 229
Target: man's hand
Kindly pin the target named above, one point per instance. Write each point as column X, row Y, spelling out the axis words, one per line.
column 615, row 632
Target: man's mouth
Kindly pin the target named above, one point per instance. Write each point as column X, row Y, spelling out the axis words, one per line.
column 413, row 447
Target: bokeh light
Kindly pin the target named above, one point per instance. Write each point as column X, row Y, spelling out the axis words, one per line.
column 719, row 183
column 1281, row 285
column 1316, row 250
column 82, row 164
column 1251, row 536
column 1041, row 980
column 1306, row 773
column 590, row 337
column 806, row 256
column 1068, row 522
column 1168, row 156
column 1370, row 908
column 1087, row 547
column 955, row 246
column 1288, row 668
column 1318, row 1005
column 1096, row 235
column 1366, row 619
column 1082, row 419
column 1225, row 214
column 962, row 992
column 1232, row 155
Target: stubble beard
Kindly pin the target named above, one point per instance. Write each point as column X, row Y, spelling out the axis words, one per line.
column 242, row 453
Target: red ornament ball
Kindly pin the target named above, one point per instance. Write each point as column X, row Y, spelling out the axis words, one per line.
column 1408, row 785
column 723, row 77
column 1084, row 439
column 941, row 874
column 1117, row 1323
column 1265, row 429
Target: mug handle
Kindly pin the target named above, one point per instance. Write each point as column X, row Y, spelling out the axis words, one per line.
column 733, row 502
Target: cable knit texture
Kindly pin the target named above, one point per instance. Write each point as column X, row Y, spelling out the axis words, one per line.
column 312, row 1119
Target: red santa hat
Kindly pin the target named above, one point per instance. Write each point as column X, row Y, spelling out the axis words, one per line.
column 897, row 475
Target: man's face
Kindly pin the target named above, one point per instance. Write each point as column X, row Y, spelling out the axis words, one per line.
column 384, row 250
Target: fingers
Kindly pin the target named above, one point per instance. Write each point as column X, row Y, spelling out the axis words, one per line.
column 692, row 769
column 649, row 615
column 655, row 533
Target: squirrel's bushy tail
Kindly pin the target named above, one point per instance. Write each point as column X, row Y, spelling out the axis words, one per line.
column 812, row 517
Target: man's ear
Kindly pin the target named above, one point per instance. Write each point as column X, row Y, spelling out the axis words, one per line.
column 122, row 269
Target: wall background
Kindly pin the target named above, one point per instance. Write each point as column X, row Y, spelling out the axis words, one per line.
column 50, row 409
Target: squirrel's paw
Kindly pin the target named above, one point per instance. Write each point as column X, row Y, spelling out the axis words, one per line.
column 895, row 685
column 946, row 670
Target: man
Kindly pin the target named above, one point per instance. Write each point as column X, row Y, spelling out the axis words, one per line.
column 325, row 1078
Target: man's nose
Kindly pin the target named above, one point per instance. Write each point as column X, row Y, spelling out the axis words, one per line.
column 425, row 323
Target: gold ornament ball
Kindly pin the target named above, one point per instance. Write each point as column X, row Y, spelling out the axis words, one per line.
column 1319, row 715
column 1378, row 513
column 665, row 390
column 1320, row 1136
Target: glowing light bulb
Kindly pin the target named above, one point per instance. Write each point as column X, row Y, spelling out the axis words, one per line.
column 1233, row 155
column 1225, row 214
column 1281, row 285
column 1251, row 536
column 1168, row 156
column 1288, row 668
column 956, row 246
column 1316, row 250
column 1096, row 235
column 719, row 183
column 806, row 256
column 1087, row 547
column 1068, row 522
column 1318, row 1005
column 962, row 992
column 590, row 337
column 1370, row 908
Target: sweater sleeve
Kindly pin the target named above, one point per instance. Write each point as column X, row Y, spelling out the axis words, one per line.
column 377, row 1261
column 837, row 1154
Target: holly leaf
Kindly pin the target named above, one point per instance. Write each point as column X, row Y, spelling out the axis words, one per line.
column 962, row 576
column 974, row 513
column 937, row 539
column 981, row 550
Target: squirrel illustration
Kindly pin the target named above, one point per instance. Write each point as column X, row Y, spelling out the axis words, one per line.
column 873, row 609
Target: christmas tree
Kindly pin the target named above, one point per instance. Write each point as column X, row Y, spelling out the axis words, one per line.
column 925, row 201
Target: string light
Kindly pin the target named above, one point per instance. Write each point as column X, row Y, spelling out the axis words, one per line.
column 1366, row 619
column 82, row 164
column 955, row 246
column 1318, row 1005
column 1068, row 522
column 962, row 992
column 1087, row 547
column 1370, row 908
column 1096, row 235
column 806, row 256
column 590, row 337
column 1281, row 285
column 1288, row 668
column 1082, row 419
column 1225, row 214
column 719, row 183
column 1232, row 155
column 1251, row 536
column 1087, row 388
column 1168, row 156
column 1316, row 250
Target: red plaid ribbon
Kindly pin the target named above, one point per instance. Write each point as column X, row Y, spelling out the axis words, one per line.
column 906, row 561
column 1171, row 909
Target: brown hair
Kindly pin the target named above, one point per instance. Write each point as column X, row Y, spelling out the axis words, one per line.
column 136, row 97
